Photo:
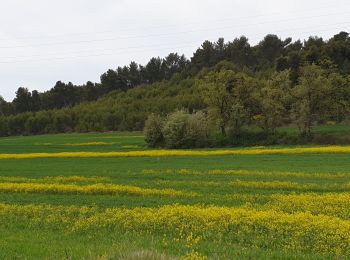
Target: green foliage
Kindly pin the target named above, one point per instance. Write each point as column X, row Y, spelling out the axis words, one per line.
column 311, row 96
column 153, row 130
column 272, row 53
column 274, row 99
column 275, row 83
column 216, row 89
column 174, row 129
column 230, row 99
column 178, row 130
column 183, row 130
column 197, row 130
column 339, row 97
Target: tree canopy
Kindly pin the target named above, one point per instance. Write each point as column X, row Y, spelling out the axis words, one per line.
column 276, row 82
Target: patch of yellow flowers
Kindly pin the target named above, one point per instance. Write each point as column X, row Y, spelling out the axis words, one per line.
column 251, row 173
column 93, row 189
column 290, row 186
column 269, row 227
column 88, row 144
column 287, row 185
column 54, row 179
column 289, row 220
column 331, row 204
column 312, row 175
column 165, row 153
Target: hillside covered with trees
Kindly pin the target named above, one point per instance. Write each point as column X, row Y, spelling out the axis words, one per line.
column 225, row 88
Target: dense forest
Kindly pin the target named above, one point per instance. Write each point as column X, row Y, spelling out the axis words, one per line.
column 275, row 83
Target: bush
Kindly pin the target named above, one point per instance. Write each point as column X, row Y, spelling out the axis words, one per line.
column 179, row 130
column 197, row 130
column 174, row 129
column 184, row 130
column 153, row 131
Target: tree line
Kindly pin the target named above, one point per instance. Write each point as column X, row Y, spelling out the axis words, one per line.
column 272, row 53
column 67, row 94
column 276, row 82
column 237, row 100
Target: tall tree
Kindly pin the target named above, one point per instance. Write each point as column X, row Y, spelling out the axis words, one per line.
column 2, row 106
column 134, row 74
column 275, row 99
column 173, row 63
column 313, row 49
column 110, row 81
column 22, row 100
column 269, row 49
column 217, row 93
column 154, row 71
column 205, row 56
column 311, row 97
column 339, row 97
column 338, row 51
column 35, row 101
column 240, row 52
column 229, row 97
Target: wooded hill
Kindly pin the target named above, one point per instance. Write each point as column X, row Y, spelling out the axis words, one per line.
column 274, row 83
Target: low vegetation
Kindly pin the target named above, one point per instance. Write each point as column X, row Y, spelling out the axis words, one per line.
column 261, row 202
column 128, row 195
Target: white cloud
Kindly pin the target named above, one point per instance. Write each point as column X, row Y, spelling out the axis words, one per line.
column 44, row 41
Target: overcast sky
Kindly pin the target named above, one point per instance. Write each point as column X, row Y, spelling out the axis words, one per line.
column 43, row 41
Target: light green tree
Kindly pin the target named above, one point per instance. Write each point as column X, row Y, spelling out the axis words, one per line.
column 311, row 98
column 339, row 97
column 275, row 98
column 215, row 88
column 229, row 98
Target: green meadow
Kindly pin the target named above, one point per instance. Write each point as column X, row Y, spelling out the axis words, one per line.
column 184, row 207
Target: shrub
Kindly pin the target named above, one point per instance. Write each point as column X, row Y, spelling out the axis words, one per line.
column 179, row 130
column 153, row 131
column 197, row 130
column 174, row 129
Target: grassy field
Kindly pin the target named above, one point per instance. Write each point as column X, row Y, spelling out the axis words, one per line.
column 163, row 207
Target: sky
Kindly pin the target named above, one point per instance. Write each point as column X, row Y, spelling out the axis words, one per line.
column 44, row 41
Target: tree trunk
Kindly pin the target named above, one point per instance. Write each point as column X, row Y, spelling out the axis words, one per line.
column 223, row 131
